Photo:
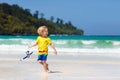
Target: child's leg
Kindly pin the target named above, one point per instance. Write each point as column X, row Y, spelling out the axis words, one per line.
column 45, row 66
column 42, row 60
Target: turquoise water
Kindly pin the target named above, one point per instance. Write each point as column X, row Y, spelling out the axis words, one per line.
column 75, row 37
column 71, row 45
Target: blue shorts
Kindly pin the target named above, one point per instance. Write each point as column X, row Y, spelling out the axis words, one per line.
column 42, row 57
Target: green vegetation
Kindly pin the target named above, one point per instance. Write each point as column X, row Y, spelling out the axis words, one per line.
column 15, row 20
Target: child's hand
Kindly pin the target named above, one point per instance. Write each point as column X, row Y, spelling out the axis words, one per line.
column 55, row 51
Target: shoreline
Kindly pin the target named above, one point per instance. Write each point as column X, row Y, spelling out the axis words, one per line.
column 65, row 61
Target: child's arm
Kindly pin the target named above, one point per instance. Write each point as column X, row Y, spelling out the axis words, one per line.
column 52, row 45
column 35, row 44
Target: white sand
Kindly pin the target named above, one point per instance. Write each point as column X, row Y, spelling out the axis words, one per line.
column 63, row 69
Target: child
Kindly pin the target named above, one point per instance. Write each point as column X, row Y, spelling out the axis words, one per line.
column 43, row 41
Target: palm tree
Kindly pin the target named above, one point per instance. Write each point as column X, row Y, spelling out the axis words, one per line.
column 36, row 14
column 42, row 15
column 52, row 18
column 61, row 21
column 58, row 20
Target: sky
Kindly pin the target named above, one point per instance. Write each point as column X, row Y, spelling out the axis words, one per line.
column 95, row 17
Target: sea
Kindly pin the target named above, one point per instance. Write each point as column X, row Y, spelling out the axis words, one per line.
column 73, row 45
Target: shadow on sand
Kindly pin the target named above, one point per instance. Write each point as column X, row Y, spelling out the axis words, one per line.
column 54, row 72
column 44, row 75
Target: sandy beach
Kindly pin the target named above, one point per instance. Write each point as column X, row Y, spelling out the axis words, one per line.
column 63, row 68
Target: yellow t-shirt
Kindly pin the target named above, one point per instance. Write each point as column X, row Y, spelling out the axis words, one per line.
column 43, row 44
